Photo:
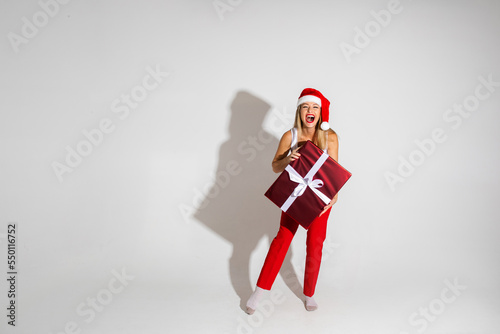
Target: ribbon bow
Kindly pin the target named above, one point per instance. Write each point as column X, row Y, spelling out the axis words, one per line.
column 304, row 182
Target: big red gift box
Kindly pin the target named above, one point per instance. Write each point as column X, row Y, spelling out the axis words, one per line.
column 296, row 196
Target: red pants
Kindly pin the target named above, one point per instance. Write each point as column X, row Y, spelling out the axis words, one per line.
column 316, row 235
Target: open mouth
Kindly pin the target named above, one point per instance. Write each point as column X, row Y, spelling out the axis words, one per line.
column 310, row 118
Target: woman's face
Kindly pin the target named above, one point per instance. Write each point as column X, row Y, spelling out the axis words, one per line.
column 309, row 114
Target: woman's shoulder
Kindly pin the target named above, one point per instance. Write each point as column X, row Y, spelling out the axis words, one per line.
column 287, row 135
column 286, row 138
column 332, row 135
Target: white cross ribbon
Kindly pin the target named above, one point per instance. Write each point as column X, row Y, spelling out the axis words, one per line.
column 306, row 181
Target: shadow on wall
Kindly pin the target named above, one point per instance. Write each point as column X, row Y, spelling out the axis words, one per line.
column 235, row 208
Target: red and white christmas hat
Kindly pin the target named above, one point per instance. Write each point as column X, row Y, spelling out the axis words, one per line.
column 313, row 95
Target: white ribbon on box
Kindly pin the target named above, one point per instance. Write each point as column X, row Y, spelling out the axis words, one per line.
column 306, row 181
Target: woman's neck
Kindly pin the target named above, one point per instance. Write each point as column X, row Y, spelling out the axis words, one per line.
column 308, row 133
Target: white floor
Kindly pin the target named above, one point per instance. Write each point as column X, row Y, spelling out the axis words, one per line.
column 176, row 291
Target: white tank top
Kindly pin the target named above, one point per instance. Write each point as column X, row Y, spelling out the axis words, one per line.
column 295, row 139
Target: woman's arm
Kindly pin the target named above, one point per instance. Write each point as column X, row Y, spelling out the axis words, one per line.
column 333, row 152
column 281, row 158
column 333, row 145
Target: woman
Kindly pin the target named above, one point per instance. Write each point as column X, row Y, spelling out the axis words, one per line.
column 311, row 123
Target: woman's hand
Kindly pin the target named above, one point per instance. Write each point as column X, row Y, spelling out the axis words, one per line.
column 282, row 158
column 294, row 155
column 280, row 165
column 333, row 201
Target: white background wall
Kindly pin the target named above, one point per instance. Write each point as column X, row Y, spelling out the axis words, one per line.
column 234, row 73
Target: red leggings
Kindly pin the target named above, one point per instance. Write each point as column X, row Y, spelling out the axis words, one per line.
column 316, row 235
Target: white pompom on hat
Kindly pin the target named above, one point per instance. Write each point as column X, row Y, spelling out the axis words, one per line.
column 313, row 95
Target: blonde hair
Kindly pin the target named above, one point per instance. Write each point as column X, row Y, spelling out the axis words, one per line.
column 319, row 135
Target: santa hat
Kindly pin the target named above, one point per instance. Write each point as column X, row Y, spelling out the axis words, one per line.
column 313, row 95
